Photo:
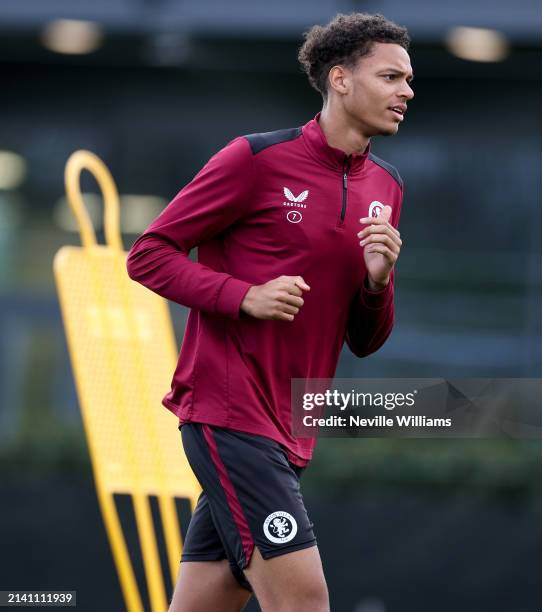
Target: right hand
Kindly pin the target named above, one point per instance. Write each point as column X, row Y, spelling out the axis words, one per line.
column 278, row 299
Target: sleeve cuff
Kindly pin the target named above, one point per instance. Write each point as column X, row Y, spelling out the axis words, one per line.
column 230, row 297
column 376, row 299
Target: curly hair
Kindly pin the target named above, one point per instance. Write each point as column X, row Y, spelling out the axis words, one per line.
column 343, row 41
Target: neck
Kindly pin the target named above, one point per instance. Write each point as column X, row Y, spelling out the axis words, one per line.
column 340, row 133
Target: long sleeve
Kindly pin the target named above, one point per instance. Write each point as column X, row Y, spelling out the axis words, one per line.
column 214, row 200
column 372, row 313
column 370, row 319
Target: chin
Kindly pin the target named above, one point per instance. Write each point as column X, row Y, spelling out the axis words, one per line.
column 388, row 130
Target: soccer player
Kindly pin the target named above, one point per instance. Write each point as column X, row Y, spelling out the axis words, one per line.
column 297, row 239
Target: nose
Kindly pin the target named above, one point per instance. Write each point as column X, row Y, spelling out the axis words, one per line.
column 407, row 91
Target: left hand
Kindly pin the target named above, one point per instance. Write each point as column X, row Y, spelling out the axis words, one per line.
column 382, row 244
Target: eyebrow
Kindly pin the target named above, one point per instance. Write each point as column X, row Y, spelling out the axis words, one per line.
column 396, row 71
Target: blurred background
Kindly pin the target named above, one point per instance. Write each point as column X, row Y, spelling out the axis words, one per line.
column 155, row 87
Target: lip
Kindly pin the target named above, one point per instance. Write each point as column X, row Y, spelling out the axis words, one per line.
column 397, row 115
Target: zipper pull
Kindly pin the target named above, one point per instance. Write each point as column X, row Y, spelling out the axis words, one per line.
column 346, row 167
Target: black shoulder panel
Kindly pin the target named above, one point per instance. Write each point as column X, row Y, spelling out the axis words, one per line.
column 388, row 167
column 259, row 142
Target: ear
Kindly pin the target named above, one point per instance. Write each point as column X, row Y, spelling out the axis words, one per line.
column 339, row 79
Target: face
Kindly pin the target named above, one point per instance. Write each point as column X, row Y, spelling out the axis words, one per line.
column 379, row 82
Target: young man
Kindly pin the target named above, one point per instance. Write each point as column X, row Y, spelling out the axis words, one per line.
column 297, row 236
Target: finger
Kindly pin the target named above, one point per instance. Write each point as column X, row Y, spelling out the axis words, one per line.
column 288, row 298
column 386, row 213
column 382, row 239
column 283, row 316
column 383, row 250
column 371, row 222
column 383, row 217
column 388, row 229
column 376, row 226
column 377, row 221
column 291, row 289
column 301, row 283
column 288, row 308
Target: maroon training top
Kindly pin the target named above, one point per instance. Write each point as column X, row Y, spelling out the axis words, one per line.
column 269, row 204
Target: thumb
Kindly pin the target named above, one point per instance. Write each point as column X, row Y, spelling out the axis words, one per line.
column 386, row 213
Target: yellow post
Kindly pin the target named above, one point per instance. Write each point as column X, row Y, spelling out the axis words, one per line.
column 123, row 352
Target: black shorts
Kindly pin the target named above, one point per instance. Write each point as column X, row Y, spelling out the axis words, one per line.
column 251, row 496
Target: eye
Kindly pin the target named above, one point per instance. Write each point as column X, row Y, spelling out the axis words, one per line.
column 390, row 76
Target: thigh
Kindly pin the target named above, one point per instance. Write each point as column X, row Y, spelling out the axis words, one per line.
column 207, row 585
column 290, row 582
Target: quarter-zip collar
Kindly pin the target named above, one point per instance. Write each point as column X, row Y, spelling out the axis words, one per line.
column 331, row 157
